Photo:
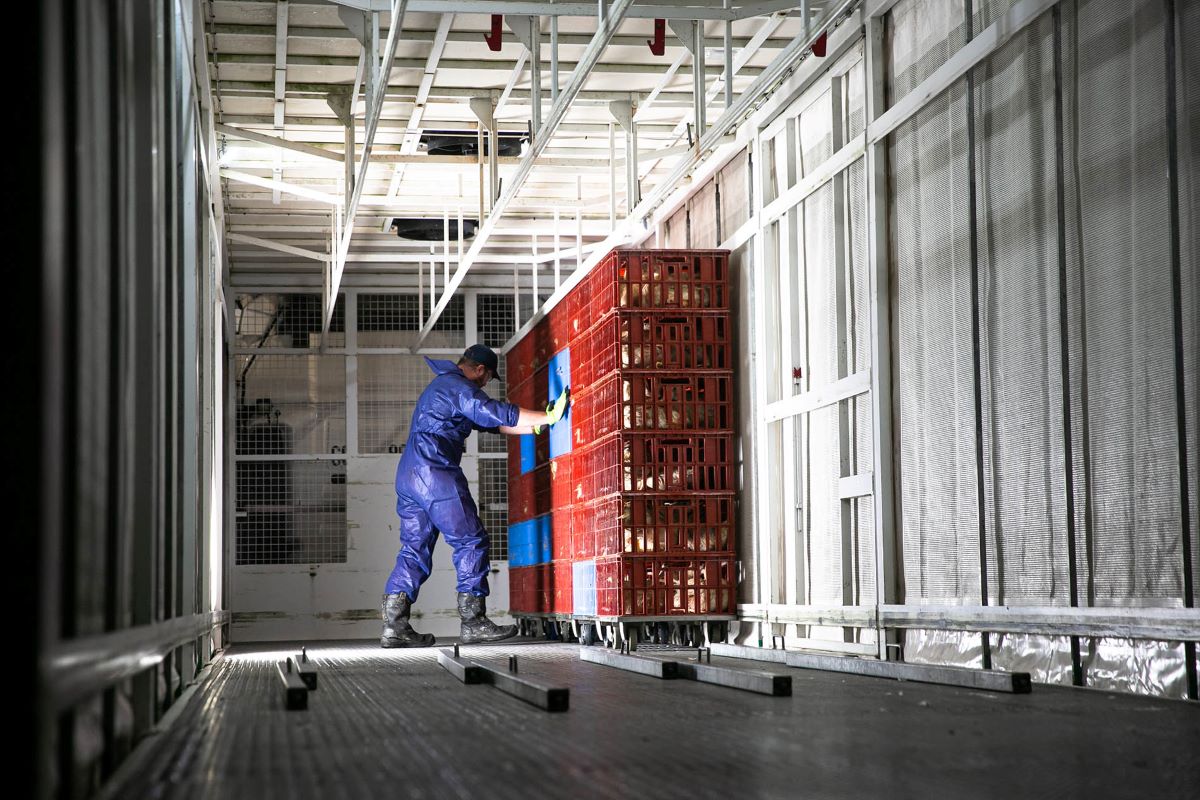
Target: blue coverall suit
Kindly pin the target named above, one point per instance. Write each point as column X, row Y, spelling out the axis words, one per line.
column 432, row 495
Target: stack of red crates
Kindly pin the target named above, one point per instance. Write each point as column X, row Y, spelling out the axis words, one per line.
column 638, row 489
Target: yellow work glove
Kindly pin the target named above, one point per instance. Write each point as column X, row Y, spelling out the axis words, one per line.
column 558, row 408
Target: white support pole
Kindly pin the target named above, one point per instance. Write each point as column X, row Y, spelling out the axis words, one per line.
column 557, row 253
column 534, row 270
column 516, row 298
column 728, row 59
column 698, row 92
column 461, row 235
column 445, row 245
column 553, row 60
column 612, row 175
column 421, row 292
column 578, row 239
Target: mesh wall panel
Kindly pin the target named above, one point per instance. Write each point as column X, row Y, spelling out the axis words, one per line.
column 286, row 320
column 702, row 214
column 819, row 294
column 921, row 35
column 388, row 388
column 931, row 254
column 675, row 231
column 1187, row 85
column 815, row 135
column 859, row 297
column 1023, row 449
column 854, row 100
column 735, row 203
column 392, row 320
column 864, row 535
column 290, row 512
column 1120, row 261
column 493, row 505
column 290, row 404
column 824, row 507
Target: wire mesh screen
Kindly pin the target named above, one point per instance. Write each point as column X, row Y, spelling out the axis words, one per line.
column 931, row 244
column 290, row 404
column 291, row 512
column 1120, row 260
column 493, row 504
column 286, row 320
column 702, row 213
column 1020, row 347
column 921, row 36
column 824, row 507
column 388, row 388
column 392, row 320
column 735, row 201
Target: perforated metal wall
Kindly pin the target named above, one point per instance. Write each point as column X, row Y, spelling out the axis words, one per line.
column 388, row 388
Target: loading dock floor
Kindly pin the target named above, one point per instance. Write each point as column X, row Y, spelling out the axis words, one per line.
column 394, row 724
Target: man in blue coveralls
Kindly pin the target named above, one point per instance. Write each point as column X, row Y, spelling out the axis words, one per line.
column 432, row 494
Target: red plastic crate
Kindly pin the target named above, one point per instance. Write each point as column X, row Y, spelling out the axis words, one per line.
column 521, row 503
column 652, row 586
column 651, row 401
column 562, row 524
column 530, row 589
column 688, row 525
column 561, row 595
column 650, row 463
column 530, row 353
column 694, row 280
column 584, row 531
column 653, row 341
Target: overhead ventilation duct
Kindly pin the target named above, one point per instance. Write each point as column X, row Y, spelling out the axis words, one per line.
column 466, row 143
column 431, row 229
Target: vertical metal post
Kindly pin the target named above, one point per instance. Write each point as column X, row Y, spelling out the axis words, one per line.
column 791, row 282
column 516, row 299
column 461, row 235
column 557, row 253
column 842, row 311
column 976, row 344
column 578, row 238
column 479, row 145
column 535, row 74
column 421, row 292
column 533, row 263
column 1077, row 674
column 432, row 281
column 888, row 588
column 728, row 58
column 612, row 175
column 445, row 245
column 553, row 59
column 698, row 96
column 351, row 372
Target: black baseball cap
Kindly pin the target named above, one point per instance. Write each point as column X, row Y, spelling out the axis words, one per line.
column 482, row 354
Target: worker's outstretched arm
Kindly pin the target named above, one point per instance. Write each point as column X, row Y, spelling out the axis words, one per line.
column 531, row 421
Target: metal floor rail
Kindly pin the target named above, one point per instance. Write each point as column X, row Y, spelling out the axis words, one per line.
column 396, row 724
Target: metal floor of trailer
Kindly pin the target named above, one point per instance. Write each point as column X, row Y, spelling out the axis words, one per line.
column 394, row 724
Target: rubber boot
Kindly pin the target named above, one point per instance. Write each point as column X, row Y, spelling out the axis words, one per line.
column 396, row 630
column 476, row 627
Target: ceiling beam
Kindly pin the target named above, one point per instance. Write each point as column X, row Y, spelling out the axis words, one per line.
column 606, row 26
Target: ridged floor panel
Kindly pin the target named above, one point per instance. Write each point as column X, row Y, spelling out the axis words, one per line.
column 394, row 724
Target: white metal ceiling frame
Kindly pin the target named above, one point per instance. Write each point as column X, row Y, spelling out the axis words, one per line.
column 608, row 21
column 635, row 224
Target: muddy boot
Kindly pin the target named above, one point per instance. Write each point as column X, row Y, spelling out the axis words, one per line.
column 396, row 630
column 476, row 627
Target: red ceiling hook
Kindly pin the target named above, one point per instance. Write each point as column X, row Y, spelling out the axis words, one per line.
column 659, row 45
column 493, row 38
column 818, row 47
